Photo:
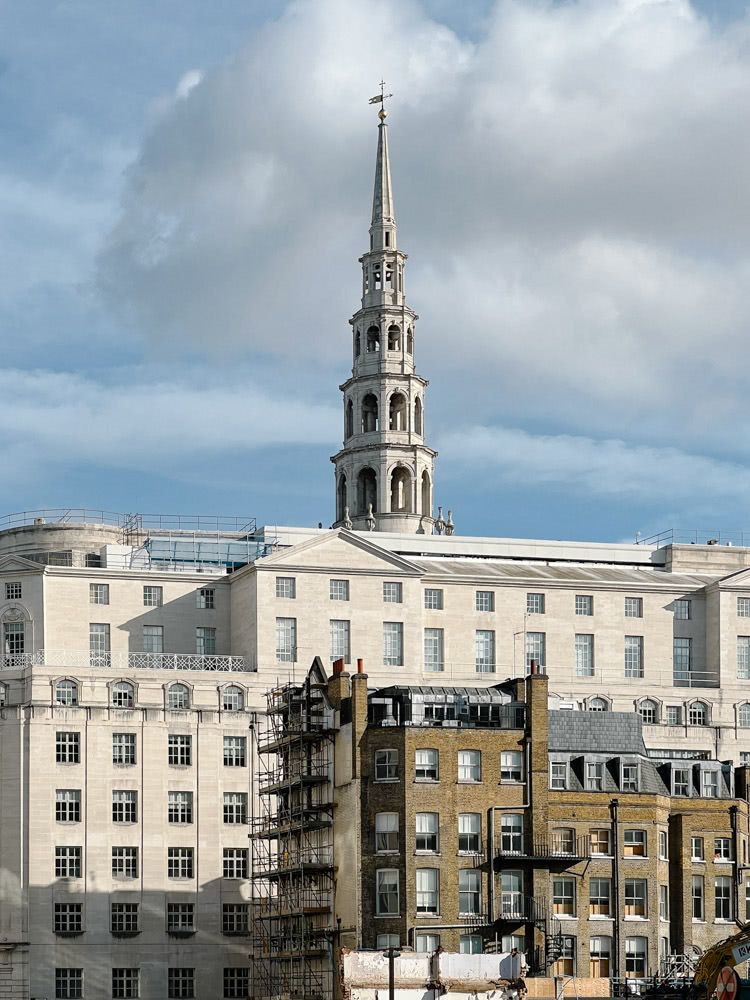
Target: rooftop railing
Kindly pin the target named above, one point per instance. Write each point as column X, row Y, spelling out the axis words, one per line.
column 696, row 536
column 133, row 521
column 123, row 661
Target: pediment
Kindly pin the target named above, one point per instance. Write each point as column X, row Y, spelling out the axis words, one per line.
column 14, row 563
column 740, row 578
column 342, row 551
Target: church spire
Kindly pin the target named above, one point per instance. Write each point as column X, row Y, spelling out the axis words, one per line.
column 383, row 212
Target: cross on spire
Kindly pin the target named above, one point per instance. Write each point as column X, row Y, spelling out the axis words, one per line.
column 380, row 99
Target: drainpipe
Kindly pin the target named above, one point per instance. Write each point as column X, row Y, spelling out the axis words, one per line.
column 737, row 867
column 613, row 809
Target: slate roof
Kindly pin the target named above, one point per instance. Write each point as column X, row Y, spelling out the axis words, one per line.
column 596, row 732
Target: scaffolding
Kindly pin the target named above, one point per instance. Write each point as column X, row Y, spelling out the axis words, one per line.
column 292, row 846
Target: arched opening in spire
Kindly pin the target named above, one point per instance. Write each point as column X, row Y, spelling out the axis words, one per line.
column 426, row 494
column 409, row 342
column 349, row 421
column 397, row 412
column 357, row 344
column 394, row 338
column 341, row 502
column 367, row 490
column 418, row 416
column 373, row 340
column 369, row 413
column 400, row 491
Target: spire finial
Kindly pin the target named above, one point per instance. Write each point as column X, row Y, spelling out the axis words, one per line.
column 380, row 99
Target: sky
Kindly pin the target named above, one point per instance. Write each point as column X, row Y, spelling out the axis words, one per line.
column 185, row 190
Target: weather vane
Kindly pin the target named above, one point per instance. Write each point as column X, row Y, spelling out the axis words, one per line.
column 380, row 99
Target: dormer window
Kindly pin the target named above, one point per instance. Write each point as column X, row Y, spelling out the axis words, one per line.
column 710, row 784
column 629, row 777
column 594, row 776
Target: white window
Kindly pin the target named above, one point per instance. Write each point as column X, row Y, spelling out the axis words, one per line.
column 697, row 714
column 649, row 712
column 584, row 604
column 286, row 587
column 67, row 862
column 340, row 643
column 600, row 952
column 152, row 597
column 597, row 704
column 663, row 844
column 663, row 902
column 393, row 593
column 178, row 697
column 205, row 641
column 386, row 892
column 433, row 599
column 205, row 599
column 286, row 640
column 635, row 957
column 99, row 644
column 697, row 849
column 511, row 833
column 743, row 657
column 426, row 765
column 469, row 833
column 563, row 841
column 511, row 894
column 426, row 943
column 629, row 778
column 636, row 897
column 68, row 805
column 635, row 843
column 179, row 750
column 180, row 862
column 339, row 590
column 601, row 841
column 387, row 941
column 428, row 890
column 232, row 698
column 484, row 600
column 469, row 891
column 634, row 607
column 153, row 638
column 564, row 897
column 470, row 944
column 126, row 983
column 743, row 607
column 123, row 694
column 594, row 776
column 235, row 751
column 67, row 748
column 484, row 651
column 681, row 781
column 124, row 862
column 697, row 895
column 723, row 849
column 674, row 715
column 13, row 591
column 66, row 693
column 180, row 807
column 68, row 983
column 600, row 897
column 536, row 648
column 434, row 661
column 535, row 604
column 124, row 806
column 565, row 965
column 558, row 775
column 98, row 593
column 386, row 765
column 426, row 832
column 709, row 784
column 14, row 640
column 682, row 610
column 634, row 656
column 235, row 807
column 682, row 658
column 723, row 898
column 511, row 765
column 234, row 862
column 393, row 644
column 469, row 765
column 584, row 646
column 386, row 833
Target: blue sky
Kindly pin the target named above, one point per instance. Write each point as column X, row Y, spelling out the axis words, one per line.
column 184, row 191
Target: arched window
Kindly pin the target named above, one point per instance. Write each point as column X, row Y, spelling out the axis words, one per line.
column 426, row 494
column 178, row 696
column 373, row 340
column 357, row 344
column 400, row 491
column 233, row 699
column 418, row 416
column 367, row 490
column 598, row 705
column 341, row 502
column 697, row 714
column 409, row 342
column 123, row 694
column 369, row 413
column 349, row 421
column 648, row 712
column 743, row 716
column 66, row 693
column 394, row 338
column 397, row 412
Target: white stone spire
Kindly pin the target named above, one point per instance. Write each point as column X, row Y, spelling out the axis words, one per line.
column 383, row 212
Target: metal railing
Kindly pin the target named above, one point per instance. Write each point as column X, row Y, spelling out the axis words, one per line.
column 295, row 772
column 144, row 522
column 546, row 848
column 129, row 661
column 696, row 536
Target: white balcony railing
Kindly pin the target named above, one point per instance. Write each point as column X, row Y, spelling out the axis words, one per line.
column 123, row 661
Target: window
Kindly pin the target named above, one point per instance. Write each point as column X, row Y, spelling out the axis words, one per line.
column 681, row 610
column 388, row 941
column 511, row 894
column 635, row 897
column 535, row 648
column 747, row 901
column 634, row 607
column 681, row 781
column 386, row 892
column 469, row 891
column 510, row 941
column 470, row 944
column 697, row 714
column 205, row 640
column 469, row 833
column 697, row 849
column 469, row 765
column 563, row 897
column 235, row 751
column 68, row 805
column 68, row 982
column 600, row 951
column 511, row 765
column 635, row 957
column 153, row 638
column 339, row 590
column 123, row 748
column 67, row 748
column 68, row 918
column 682, row 657
column 663, row 845
column 14, row 640
column 232, row 698
column 126, row 983
column 709, row 784
column 205, row 599
column 743, row 657
column 663, row 902
column 428, row 891
column 123, row 918
column 234, row 918
column 697, row 894
column 743, row 607
column 565, row 962
column 600, row 897
column 629, row 778
column 484, row 600
column 66, row 693
column 124, row 862
column 433, row 650
column 426, row 832
column 386, row 765
column 179, row 862
column 386, row 833
column 340, row 646
column 178, row 697
column 124, row 806
column 584, row 604
column 180, row 918
column 393, row 644
column 723, row 898
column 674, row 715
column 13, row 591
column 286, row 587
column 511, row 833
column 426, row 943
column 648, row 712
column 558, row 775
column 393, row 593
column 635, row 843
column 179, row 750
column 152, row 597
column 67, row 862
column 426, row 765
column 563, row 840
column 535, row 604
column 723, row 849
column 98, row 593
column 594, row 777
column 180, row 807
column 597, row 704
column 236, row 984
column 584, row 646
column 433, row 600
column 180, row 983
column 634, row 656
column 484, row 651
column 123, row 695
column 235, row 807
column 235, row 862
column 600, row 841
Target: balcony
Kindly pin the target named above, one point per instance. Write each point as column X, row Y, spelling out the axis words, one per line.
column 550, row 851
column 122, row 662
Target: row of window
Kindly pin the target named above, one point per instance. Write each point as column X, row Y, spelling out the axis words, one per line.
column 125, row 918
column 179, row 749
column 426, row 766
column 125, row 806
column 177, row 695
column 126, row 983
column 153, row 640
column 704, row 781
column 180, row 862
column 153, row 597
column 387, row 895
